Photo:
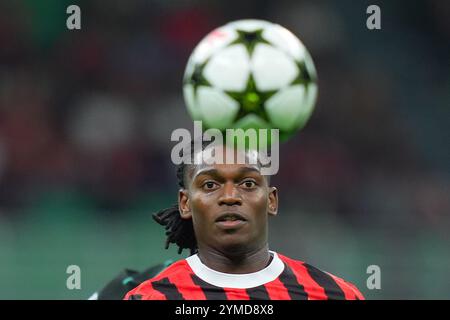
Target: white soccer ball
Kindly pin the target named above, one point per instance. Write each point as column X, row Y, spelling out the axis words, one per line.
column 251, row 74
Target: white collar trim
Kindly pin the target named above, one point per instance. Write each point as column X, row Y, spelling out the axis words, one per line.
column 238, row 281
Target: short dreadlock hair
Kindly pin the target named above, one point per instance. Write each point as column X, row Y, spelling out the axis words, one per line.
column 178, row 230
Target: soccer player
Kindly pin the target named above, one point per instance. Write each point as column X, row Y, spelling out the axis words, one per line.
column 222, row 218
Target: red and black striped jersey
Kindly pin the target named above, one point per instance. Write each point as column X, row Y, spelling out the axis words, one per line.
column 282, row 279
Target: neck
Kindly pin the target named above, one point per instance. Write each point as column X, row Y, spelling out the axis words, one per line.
column 237, row 263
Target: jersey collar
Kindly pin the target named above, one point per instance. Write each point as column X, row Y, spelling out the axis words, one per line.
column 238, row 281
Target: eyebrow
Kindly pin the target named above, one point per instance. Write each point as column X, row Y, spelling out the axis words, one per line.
column 215, row 173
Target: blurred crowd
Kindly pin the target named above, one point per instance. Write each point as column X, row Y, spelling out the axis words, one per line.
column 90, row 112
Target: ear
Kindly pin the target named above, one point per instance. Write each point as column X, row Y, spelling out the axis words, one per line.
column 272, row 206
column 183, row 204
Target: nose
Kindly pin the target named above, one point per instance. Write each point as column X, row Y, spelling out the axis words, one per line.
column 230, row 195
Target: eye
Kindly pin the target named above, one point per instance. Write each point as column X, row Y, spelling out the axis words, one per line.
column 249, row 184
column 209, row 185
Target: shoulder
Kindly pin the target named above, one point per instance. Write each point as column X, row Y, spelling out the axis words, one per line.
column 147, row 291
column 126, row 280
column 321, row 284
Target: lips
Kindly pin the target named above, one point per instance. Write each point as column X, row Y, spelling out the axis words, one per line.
column 230, row 221
column 230, row 217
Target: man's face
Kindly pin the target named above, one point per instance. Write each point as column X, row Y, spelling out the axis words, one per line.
column 229, row 205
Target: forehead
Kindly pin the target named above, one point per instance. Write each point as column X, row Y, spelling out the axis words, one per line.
column 225, row 170
column 225, row 160
column 220, row 154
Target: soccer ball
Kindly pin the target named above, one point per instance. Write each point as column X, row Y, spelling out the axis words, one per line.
column 251, row 74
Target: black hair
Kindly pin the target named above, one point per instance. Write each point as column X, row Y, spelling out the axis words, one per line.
column 178, row 230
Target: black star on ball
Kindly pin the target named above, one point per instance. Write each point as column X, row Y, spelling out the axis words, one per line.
column 249, row 39
column 197, row 78
column 303, row 77
column 251, row 99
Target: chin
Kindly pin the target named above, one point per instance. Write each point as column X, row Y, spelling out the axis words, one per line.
column 234, row 244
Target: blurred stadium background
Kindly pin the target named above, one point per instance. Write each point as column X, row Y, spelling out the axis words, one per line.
column 86, row 117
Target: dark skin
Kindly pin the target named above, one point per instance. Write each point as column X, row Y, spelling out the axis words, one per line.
column 223, row 190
